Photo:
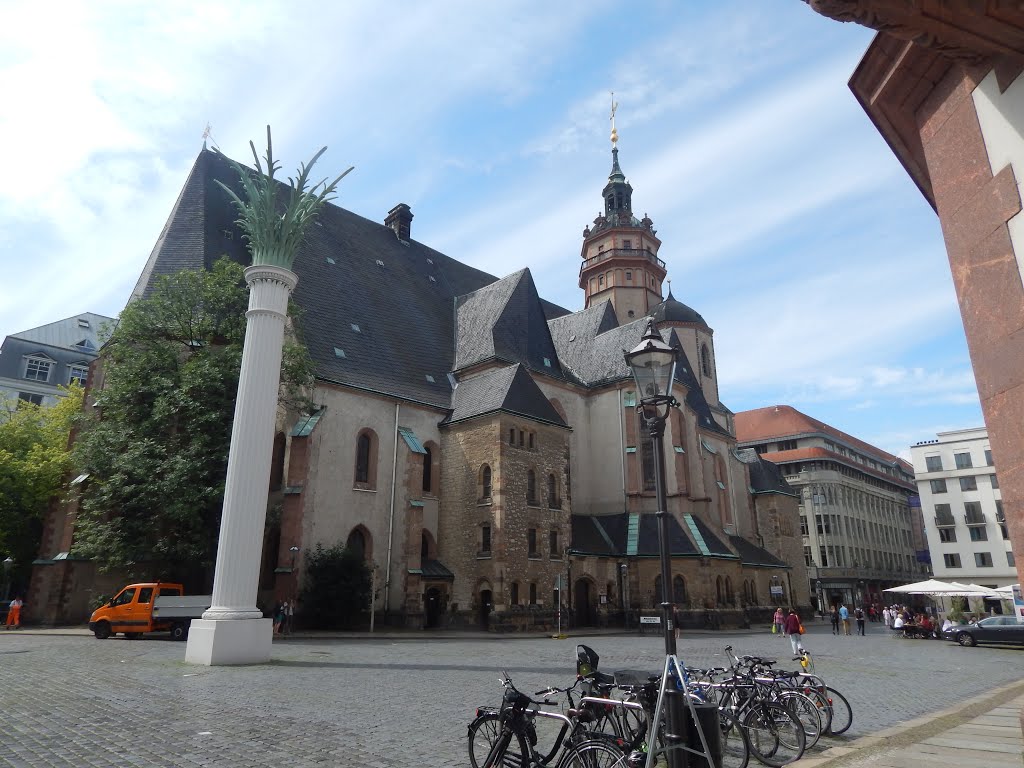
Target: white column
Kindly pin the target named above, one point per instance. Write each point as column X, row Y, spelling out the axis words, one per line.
column 233, row 630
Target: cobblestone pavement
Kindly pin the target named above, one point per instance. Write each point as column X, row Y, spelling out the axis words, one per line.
column 76, row 701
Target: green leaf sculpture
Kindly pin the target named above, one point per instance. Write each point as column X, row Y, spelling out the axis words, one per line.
column 273, row 222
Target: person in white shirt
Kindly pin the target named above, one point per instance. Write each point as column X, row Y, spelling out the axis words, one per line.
column 897, row 622
column 947, row 625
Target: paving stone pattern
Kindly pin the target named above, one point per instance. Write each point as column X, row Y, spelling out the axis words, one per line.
column 76, row 701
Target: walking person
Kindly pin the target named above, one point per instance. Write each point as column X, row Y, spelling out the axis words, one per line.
column 289, row 617
column 779, row 621
column 844, row 616
column 887, row 617
column 793, row 627
column 834, row 617
column 278, row 618
column 14, row 613
column 859, row 616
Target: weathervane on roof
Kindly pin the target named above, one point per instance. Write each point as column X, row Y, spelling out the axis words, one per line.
column 615, row 133
column 208, row 134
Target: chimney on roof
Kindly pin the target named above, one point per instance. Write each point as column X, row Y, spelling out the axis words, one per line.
column 400, row 220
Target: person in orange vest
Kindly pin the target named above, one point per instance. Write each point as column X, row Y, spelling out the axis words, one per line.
column 14, row 614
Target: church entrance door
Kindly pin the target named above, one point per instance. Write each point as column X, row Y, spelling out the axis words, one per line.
column 584, row 608
column 485, row 608
column 432, row 607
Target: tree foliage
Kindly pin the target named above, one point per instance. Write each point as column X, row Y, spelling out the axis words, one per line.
column 336, row 588
column 34, row 463
column 157, row 456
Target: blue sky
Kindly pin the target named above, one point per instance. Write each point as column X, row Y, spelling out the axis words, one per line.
column 785, row 219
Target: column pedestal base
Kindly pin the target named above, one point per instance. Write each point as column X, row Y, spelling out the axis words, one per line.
column 229, row 641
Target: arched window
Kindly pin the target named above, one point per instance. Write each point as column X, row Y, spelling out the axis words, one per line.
column 705, row 360
column 647, row 463
column 428, row 547
column 728, row 590
column 531, row 487
column 366, row 459
column 485, row 482
column 600, row 281
column 533, row 593
column 277, row 462
column 657, row 592
column 427, row 469
column 718, row 591
column 359, row 542
column 679, row 590
column 553, row 502
column 514, row 593
column 363, row 459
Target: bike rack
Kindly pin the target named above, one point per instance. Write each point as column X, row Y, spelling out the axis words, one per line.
column 652, row 737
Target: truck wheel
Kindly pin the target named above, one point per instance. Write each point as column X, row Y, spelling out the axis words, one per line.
column 102, row 631
column 179, row 631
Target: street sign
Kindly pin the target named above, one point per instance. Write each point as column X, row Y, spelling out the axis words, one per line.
column 776, row 590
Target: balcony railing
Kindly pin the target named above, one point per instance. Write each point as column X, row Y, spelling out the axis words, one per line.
column 629, row 253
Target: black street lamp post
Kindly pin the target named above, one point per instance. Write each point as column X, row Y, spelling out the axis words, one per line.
column 653, row 363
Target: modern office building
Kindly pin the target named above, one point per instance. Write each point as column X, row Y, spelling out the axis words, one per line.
column 963, row 509
column 856, row 514
column 34, row 364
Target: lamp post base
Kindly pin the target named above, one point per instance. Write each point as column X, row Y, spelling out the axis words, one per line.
column 229, row 641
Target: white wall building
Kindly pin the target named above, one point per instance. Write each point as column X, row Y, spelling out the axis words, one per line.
column 963, row 509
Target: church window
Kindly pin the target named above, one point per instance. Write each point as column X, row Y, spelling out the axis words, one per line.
column 427, row 469
column 366, row 459
column 705, row 360
column 679, row 590
column 521, row 438
column 359, row 542
column 531, row 542
column 485, row 482
column 553, row 550
column 512, row 437
column 531, row 437
column 627, row 245
column 514, row 593
column 531, row 487
column 485, row 539
column 553, row 502
column 600, row 281
column 629, row 276
column 647, row 463
column 277, row 462
column 533, row 593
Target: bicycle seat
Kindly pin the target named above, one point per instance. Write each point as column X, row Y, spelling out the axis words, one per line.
column 582, row 714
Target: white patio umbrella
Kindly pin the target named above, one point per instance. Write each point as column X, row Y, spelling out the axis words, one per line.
column 933, row 587
column 1007, row 590
column 978, row 590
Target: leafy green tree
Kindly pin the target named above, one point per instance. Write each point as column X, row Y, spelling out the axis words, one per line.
column 336, row 589
column 34, row 463
column 157, row 456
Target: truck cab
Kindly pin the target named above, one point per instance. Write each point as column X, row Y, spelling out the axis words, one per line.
column 131, row 611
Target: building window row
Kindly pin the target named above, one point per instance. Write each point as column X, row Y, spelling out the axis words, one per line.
column 522, row 438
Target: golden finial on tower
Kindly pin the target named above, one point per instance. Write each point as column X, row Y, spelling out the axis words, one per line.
column 615, row 134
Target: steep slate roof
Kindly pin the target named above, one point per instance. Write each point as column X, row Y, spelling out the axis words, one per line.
column 510, row 389
column 607, row 535
column 55, row 341
column 675, row 311
column 765, row 476
column 505, row 321
column 69, row 331
column 751, row 554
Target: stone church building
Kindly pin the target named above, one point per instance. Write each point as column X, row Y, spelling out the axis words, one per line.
column 480, row 445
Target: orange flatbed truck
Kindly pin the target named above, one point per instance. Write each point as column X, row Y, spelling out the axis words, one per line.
column 148, row 607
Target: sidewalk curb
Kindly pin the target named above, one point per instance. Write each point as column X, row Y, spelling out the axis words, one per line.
column 915, row 730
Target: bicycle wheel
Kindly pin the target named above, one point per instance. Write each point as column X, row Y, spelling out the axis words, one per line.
column 774, row 735
column 842, row 713
column 483, row 735
column 806, row 711
column 735, row 752
column 821, row 702
column 598, row 753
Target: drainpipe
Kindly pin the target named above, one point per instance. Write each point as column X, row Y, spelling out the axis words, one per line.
column 391, row 517
column 622, row 451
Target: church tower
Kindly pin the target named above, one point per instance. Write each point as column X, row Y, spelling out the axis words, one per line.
column 620, row 252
